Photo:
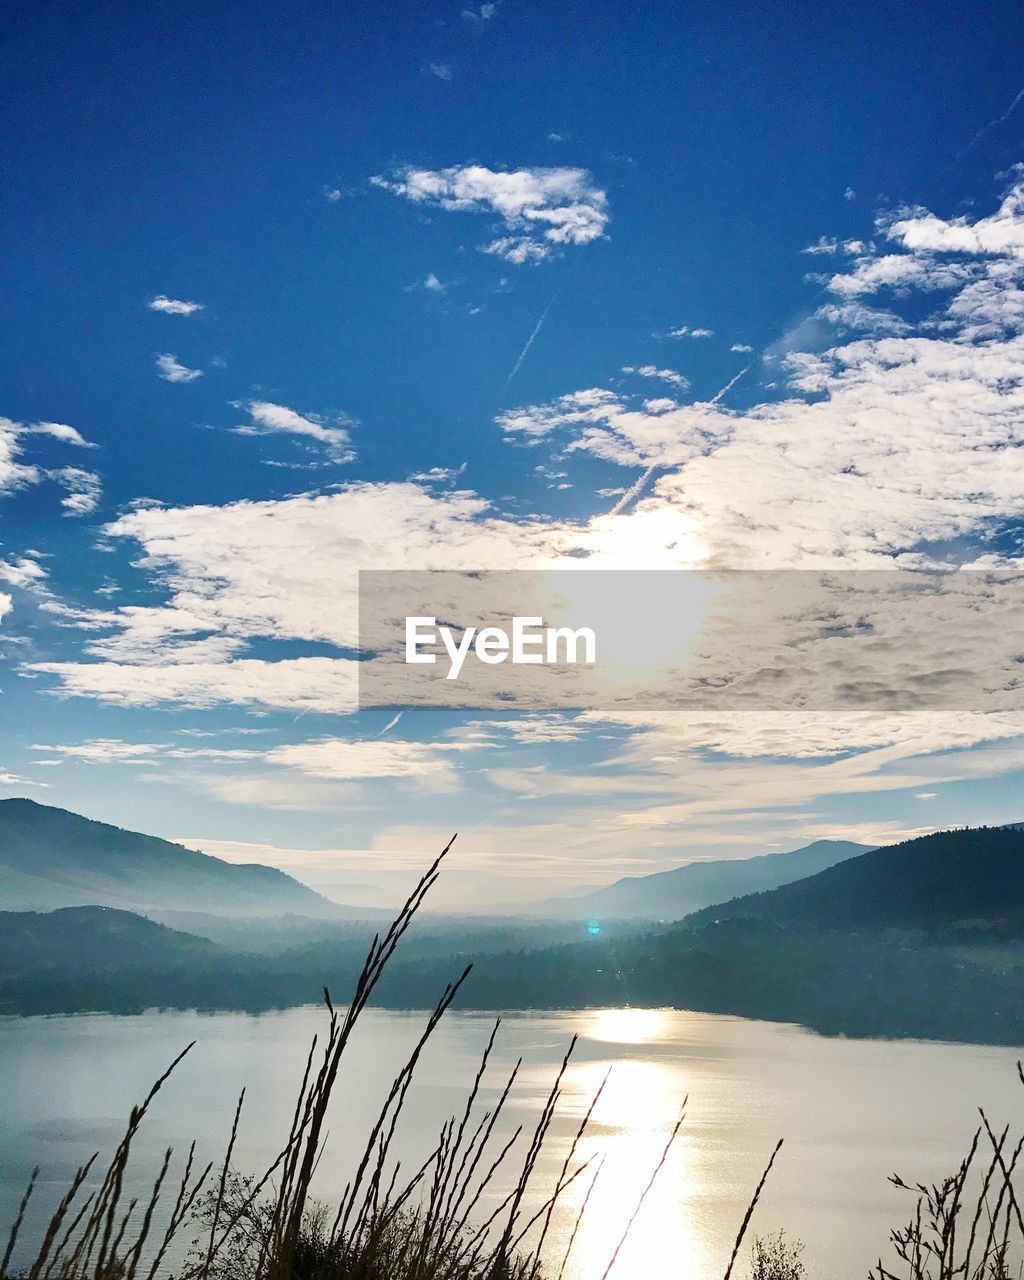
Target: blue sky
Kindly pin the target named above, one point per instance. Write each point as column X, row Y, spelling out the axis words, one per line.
column 427, row 243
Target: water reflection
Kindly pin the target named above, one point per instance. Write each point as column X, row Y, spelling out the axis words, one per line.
column 625, row 1026
column 630, row 1126
column 850, row 1111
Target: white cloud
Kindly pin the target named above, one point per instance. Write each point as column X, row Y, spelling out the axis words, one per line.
column 661, row 785
column 438, row 475
column 1000, row 234
column 8, row 779
column 281, row 570
column 345, row 760
column 263, row 568
column 297, row 684
column 541, row 208
column 685, row 331
column 606, row 424
column 856, row 315
column 525, row 728
column 740, row 346
column 517, row 249
column 115, row 751
column 443, row 70
column 266, row 418
column 284, row 770
column 287, row 792
column 663, row 375
column 59, row 431
column 174, row 306
column 172, row 370
column 16, row 474
column 824, row 244
column 13, row 473
column 20, row 573
column 900, row 272
column 83, row 490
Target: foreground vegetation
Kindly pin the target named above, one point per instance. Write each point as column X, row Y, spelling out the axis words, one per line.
column 431, row 1223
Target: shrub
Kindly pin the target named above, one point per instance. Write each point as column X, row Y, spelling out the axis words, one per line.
column 776, row 1258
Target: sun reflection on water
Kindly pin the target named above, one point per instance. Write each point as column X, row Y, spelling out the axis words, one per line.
column 625, row 1026
column 630, row 1125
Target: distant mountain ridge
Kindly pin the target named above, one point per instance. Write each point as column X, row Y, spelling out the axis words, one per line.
column 968, row 877
column 922, row 939
column 51, row 858
column 670, row 895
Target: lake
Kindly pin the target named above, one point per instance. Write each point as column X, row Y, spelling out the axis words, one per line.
column 851, row 1113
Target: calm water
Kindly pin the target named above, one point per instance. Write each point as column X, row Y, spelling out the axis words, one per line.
column 851, row 1113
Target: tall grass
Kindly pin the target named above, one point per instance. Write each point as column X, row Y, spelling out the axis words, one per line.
column 969, row 1225
column 444, row 1220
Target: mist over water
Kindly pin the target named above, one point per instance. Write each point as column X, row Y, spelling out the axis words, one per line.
column 851, row 1112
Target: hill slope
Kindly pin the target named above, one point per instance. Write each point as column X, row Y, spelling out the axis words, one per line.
column 965, row 878
column 52, row 858
column 92, row 939
column 669, row 895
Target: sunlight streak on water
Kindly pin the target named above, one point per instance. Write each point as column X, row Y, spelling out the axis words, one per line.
column 631, row 1124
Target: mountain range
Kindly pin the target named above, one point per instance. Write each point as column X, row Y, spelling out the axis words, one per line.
column 923, row 938
column 670, row 895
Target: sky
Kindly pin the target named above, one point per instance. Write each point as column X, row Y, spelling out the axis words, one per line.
column 294, row 291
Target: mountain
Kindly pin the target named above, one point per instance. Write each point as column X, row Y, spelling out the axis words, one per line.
column 670, row 895
column 86, row 959
column 972, row 878
column 52, row 858
column 92, row 940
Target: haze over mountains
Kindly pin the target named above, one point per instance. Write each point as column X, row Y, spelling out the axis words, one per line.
column 670, row 895
column 882, row 944
column 52, row 858
column 924, row 938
